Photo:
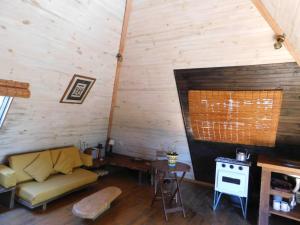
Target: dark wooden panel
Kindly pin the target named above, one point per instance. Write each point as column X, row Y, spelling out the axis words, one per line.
column 285, row 76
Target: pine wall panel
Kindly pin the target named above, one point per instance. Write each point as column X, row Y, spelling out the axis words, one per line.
column 164, row 35
column 44, row 43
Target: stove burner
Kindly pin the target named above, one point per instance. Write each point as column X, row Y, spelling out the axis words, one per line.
column 233, row 161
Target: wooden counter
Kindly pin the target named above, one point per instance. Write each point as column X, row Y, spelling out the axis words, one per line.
column 271, row 165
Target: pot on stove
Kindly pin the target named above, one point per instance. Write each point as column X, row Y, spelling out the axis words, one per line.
column 242, row 154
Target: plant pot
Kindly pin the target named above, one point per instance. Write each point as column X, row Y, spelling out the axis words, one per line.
column 172, row 159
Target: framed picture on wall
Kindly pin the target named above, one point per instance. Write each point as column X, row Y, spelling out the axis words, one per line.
column 77, row 89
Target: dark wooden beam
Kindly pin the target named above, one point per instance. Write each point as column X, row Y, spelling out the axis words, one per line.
column 276, row 28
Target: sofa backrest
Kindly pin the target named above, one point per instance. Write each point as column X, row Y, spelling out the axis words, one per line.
column 20, row 161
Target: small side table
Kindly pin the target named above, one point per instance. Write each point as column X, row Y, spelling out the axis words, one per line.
column 97, row 163
column 164, row 173
column 12, row 195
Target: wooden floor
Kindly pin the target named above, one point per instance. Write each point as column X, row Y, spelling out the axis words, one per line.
column 133, row 207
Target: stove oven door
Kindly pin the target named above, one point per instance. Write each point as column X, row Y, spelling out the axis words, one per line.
column 233, row 183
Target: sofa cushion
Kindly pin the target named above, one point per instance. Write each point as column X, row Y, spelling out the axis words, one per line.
column 41, row 167
column 19, row 162
column 35, row 193
column 87, row 160
column 64, row 164
column 54, row 155
column 72, row 152
column 7, row 177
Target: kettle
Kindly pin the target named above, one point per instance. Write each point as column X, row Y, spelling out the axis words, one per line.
column 242, row 155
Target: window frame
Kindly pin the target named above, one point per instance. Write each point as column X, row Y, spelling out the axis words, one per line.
column 4, row 108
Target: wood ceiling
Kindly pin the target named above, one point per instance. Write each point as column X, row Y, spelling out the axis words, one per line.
column 283, row 16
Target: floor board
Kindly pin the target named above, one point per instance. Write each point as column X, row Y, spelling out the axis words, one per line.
column 133, row 208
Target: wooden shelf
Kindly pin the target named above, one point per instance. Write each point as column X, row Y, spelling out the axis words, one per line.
column 293, row 214
column 270, row 166
column 283, row 194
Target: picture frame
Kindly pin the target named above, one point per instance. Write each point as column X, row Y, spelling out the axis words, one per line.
column 77, row 89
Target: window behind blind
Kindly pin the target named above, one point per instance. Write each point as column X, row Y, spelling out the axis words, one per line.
column 5, row 102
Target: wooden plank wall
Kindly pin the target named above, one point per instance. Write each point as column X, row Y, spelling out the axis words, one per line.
column 167, row 35
column 44, row 43
column 285, row 76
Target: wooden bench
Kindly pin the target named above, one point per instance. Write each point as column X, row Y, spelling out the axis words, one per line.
column 142, row 166
column 94, row 205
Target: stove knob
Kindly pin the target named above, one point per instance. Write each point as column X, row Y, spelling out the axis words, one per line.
column 231, row 166
column 240, row 168
column 223, row 165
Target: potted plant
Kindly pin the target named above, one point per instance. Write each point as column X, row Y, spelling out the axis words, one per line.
column 172, row 158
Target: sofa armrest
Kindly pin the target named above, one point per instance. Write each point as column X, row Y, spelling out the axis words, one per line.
column 7, row 177
column 86, row 159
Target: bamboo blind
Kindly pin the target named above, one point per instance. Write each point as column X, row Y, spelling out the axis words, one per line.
column 244, row 117
column 14, row 89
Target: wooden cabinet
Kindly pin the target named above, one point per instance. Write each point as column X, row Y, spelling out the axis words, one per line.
column 270, row 166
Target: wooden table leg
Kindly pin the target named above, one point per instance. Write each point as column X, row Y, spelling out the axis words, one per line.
column 152, row 177
column 140, row 177
column 179, row 195
column 156, row 184
column 264, row 204
column 163, row 199
column 179, row 182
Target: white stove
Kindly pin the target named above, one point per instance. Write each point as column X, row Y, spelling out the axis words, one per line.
column 232, row 178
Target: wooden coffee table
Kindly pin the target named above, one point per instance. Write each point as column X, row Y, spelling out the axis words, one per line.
column 94, row 205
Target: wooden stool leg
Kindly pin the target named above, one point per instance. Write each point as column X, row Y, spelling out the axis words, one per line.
column 163, row 198
column 140, row 177
column 179, row 196
column 156, row 185
column 155, row 181
column 152, row 177
column 154, row 198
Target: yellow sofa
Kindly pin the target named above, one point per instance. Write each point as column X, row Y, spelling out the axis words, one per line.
column 32, row 193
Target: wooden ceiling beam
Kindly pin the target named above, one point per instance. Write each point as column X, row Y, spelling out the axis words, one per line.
column 119, row 65
column 276, row 28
